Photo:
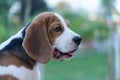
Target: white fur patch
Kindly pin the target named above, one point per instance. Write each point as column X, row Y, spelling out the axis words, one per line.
column 21, row 73
column 64, row 42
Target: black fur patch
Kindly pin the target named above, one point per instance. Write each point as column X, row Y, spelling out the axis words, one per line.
column 24, row 31
column 13, row 45
column 16, row 45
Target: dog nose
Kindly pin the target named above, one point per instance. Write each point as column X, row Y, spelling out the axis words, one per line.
column 77, row 40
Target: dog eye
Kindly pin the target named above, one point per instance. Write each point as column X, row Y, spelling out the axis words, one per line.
column 57, row 29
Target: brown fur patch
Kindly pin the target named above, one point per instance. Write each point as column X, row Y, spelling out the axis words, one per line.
column 9, row 59
column 7, row 77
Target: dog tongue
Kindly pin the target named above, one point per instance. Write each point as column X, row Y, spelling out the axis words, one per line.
column 72, row 53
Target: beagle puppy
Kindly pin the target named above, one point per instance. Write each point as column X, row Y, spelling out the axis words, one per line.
column 47, row 36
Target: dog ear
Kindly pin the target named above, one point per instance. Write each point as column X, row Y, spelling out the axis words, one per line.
column 36, row 42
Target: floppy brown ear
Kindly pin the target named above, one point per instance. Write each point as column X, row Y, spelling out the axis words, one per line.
column 36, row 42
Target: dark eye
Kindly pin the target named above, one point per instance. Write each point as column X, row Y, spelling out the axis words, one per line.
column 57, row 29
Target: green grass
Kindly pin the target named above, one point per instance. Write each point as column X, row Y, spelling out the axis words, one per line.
column 83, row 67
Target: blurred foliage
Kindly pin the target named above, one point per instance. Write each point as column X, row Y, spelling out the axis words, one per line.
column 4, row 8
column 88, row 29
column 5, row 4
column 2, row 33
column 107, row 7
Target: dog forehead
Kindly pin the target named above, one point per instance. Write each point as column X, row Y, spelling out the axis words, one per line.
column 51, row 17
column 62, row 20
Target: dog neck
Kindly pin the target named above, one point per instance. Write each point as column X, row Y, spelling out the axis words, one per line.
column 13, row 47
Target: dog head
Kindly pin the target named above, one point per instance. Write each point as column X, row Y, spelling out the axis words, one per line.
column 49, row 36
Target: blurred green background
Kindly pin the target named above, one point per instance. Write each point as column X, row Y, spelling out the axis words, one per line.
column 97, row 21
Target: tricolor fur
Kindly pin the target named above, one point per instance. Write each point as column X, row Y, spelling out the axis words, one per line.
column 47, row 36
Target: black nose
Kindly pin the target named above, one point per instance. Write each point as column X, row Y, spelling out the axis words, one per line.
column 77, row 40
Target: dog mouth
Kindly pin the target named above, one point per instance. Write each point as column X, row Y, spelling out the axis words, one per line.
column 62, row 56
